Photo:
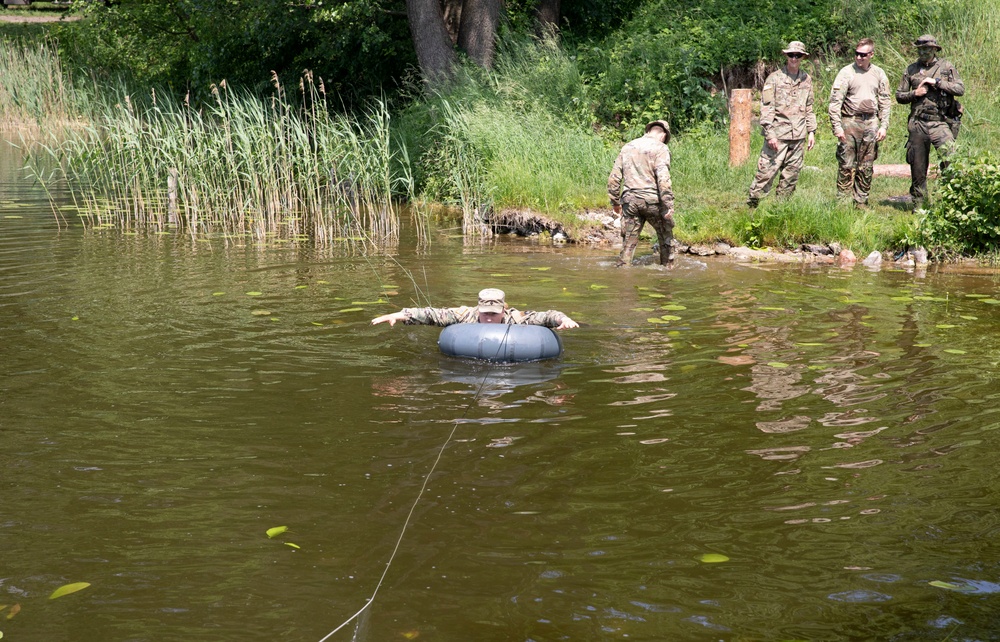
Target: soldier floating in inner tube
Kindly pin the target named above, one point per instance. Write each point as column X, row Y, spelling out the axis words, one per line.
column 492, row 308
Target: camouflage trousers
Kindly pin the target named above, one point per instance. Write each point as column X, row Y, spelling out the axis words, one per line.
column 787, row 159
column 856, row 158
column 635, row 213
column 923, row 134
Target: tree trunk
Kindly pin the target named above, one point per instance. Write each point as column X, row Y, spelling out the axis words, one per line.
column 478, row 31
column 739, row 126
column 547, row 15
column 435, row 54
column 452, row 18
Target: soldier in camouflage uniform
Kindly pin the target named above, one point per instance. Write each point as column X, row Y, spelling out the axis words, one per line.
column 929, row 86
column 491, row 309
column 786, row 121
column 859, row 116
column 640, row 191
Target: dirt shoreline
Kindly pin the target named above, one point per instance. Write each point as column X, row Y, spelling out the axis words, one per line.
column 15, row 16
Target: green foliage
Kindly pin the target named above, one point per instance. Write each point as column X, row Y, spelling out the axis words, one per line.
column 356, row 46
column 966, row 216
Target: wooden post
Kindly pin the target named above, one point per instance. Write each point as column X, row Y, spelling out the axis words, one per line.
column 172, row 196
column 739, row 126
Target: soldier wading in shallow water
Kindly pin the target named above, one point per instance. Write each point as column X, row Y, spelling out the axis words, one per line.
column 640, row 191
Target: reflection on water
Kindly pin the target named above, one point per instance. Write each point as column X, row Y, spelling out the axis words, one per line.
column 167, row 400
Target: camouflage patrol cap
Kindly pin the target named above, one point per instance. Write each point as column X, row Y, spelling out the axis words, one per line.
column 795, row 46
column 491, row 300
column 660, row 123
column 927, row 40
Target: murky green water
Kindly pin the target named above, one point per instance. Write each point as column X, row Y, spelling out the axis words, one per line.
column 831, row 433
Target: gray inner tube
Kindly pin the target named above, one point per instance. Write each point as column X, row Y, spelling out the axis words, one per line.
column 500, row 342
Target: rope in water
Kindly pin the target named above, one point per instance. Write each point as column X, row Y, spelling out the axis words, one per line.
column 423, row 487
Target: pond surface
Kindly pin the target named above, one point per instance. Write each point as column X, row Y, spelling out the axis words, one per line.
column 794, row 452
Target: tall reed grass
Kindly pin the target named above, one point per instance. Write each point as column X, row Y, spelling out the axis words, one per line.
column 36, row 92
column 242, row 165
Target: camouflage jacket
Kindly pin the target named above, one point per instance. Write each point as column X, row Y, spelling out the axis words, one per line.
column 935, row 104
column 643, row 169
column 464, row 314
column 860, row 91
column 786, row 106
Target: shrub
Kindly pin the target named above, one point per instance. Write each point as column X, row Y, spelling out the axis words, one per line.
column 966, row 216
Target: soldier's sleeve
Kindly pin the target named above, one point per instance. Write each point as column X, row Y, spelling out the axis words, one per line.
column 950, row 82
column 884, row 102
column 664, row 188
column 615, row 181
column 437, row 316
column 837, row 95
column 904, row 93
column 548, row 318
column 767, row 107
column 810, row 114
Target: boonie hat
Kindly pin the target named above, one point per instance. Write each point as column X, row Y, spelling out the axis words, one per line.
column 491, row 300
column 795, row 47
column 927, row 40
column 661, row 123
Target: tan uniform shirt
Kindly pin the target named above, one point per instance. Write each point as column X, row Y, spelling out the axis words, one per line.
column 859, row 92
column 786, row 106
column 642, row 168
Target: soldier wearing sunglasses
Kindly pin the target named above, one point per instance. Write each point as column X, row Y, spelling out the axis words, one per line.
column 788, row 124
column 929, row 86
column 859, row 115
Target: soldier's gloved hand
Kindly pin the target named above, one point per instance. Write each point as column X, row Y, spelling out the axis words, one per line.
column 811, row 142
column 617, row 209
column 772, row 143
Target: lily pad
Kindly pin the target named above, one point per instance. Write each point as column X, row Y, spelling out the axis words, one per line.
column 255, row 293
column 655, row 320
column 990, row 301
column 276, row 530
column 773, row 309
column 961, row 588
column 977, row 296
column 66, row 589
column 713, row 558
column 353, row 310
column 777, row 364
column 968, row 317
column 594, row 286
column 670, row 317
column 945, row 326
column 541, row 269
column 217, row 293
column 954, row 351
column 674, row 307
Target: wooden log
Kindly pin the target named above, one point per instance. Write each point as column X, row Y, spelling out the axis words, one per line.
column 739, row 126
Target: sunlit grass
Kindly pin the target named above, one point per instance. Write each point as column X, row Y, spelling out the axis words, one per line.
column 35, row 91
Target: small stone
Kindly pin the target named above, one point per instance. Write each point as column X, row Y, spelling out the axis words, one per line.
column 873, row 260
column 920, row 255
column 847, row 257
column 816, row 249
column 722, row 248
column 835, row 248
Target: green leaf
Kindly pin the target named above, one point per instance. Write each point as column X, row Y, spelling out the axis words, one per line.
column 670, row 317
column 777, row 364
column 655, row 320
column 954, row 351
column 594, row 286
column 353, row 310
column 713, row 558
column 68, row 588
column 673, row 307
column 961, row 588
column 292, row 545
column 254, row 293
column 276, row 530
column 945, row 326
